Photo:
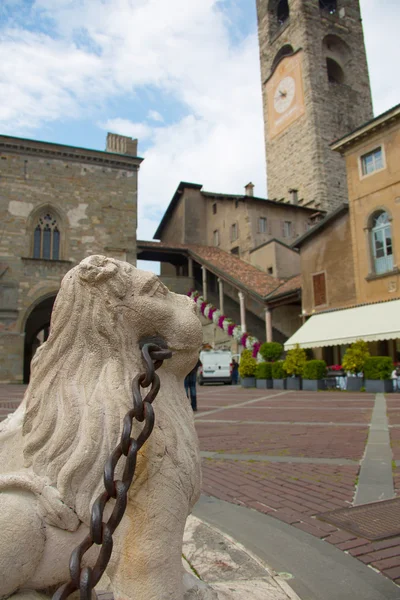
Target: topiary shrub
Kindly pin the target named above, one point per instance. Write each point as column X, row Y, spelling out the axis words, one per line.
column 278, row 372
column 314, row 369
column 247, row 365
column 264, row 370
column 271, row 351
column 378, row 367
column 295, row 361
column 355, row 357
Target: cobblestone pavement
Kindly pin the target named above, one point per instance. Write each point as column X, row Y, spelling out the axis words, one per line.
column 291, row 455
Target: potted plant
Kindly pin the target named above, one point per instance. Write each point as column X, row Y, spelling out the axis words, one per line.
column 271, row 351
column 294, row 365
column 278, row 375
column 264, row 375
column 314, row 373
column 377, row 372
column 247, row 369
column 353, row 362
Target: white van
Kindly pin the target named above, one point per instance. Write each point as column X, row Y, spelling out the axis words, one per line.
column 216, row 366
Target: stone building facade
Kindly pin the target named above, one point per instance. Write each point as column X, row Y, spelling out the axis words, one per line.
column 58, row 204
column 234, row 223
column 315, row 89
column 350, row 260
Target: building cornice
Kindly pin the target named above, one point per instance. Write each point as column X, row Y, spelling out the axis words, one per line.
column 69, row 153
column 382, row 121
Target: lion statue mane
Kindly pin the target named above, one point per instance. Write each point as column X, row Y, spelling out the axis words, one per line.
column 54, row 447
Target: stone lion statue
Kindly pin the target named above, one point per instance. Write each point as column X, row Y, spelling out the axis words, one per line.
column 54, row 447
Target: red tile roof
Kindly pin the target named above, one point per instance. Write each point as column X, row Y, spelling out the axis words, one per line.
column 233, row 268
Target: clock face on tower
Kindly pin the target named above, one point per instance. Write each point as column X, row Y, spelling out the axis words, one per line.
column 284, row 90
column 284, row 94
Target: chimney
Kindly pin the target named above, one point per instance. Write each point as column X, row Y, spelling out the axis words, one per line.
column 249, row 189
column 121, row 144
column 294, row 199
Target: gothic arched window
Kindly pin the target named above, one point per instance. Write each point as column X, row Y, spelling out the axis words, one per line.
column 381, row 242
column 46, row 237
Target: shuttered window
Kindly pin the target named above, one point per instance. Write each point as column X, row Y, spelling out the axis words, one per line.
column 319, row 286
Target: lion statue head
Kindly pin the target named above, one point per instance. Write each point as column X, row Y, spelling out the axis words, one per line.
column 81, row 378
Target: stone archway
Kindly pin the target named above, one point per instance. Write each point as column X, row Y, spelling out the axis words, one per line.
column 36, row 331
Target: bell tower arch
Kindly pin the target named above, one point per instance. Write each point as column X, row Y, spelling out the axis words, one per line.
column 316, row 89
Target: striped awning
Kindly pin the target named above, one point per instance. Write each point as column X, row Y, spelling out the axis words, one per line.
column 370, row 322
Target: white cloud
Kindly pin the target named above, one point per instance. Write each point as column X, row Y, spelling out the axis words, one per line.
column 125, row 127
column 104, row 50
column 153, row 115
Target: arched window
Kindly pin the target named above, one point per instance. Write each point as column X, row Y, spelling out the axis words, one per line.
column 282, row 11
column 335, row 71
column 46, row 237
column 328, row 5
column 286, row 50
column 381, row 242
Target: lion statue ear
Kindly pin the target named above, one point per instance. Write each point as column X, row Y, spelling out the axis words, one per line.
column 98, row 270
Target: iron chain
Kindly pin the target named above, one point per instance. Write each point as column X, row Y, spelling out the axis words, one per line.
column 85, row 579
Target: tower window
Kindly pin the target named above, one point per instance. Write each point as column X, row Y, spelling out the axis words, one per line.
column 234, row 232
column 328, row 5
column 335, row 71
column 282, row 11
column 46, row 238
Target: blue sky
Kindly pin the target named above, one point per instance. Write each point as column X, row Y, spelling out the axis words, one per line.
column 181, row 75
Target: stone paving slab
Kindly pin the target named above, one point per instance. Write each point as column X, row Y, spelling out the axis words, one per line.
column 230, row 570
column 288, row 494
column 280, row 440
column 293, row 415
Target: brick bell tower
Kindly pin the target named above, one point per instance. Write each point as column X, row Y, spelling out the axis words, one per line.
column 315, row 89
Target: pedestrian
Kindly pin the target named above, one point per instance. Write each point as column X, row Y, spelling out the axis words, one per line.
column 394, row 377
column 190, row 385
column 235, row 372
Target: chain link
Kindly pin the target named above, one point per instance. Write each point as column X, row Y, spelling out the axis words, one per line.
column 85, row 579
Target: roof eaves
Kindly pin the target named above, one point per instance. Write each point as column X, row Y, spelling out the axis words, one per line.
column 342, row 209
column 269, row 242
column 236, row 282
column 171, row 206
column 353, row 136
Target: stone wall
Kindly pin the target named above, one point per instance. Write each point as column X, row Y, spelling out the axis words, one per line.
column 378, row 191
column 93, row 197
column 329, row 252
column 300, row 157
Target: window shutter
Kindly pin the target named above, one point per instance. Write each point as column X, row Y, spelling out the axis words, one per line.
column 319, row 286
column 283, row 228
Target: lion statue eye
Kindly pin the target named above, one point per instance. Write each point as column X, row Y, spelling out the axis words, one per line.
column 161, row 290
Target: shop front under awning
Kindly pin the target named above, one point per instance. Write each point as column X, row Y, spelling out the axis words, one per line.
column 370, row 323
